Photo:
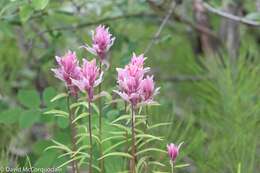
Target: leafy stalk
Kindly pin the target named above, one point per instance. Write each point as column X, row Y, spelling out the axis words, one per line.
column 101, row 161
column 145, row 130
column 126, row 135
column 90, row 137
column 132, row 165
column 147, row 118
column 73, row 134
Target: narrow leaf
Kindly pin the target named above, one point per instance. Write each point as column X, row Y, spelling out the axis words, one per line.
column 116, row 154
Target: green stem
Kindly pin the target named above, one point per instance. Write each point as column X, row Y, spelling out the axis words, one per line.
column 145, row 131
column 172, row 167
column 90, row 138
column 73, row 133
column 132, row 165
column 101, row 162
column 126, row 138
column 146, row 112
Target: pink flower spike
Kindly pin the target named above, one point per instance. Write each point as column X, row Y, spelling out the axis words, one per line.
column 133, row 87
column 102, row 41
column 138, row 60
column 68, row 69
column 90, row 78
column 147, row 88
column 173, row 151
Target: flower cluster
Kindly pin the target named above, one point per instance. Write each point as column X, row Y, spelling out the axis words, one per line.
column 173, row 151
column 77, row 78
column 88, row 76
column 134, row 86
column 68, row 69
column 102, row 41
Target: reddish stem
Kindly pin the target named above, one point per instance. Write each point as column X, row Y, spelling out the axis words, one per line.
column 133, row 160
column 90, row 138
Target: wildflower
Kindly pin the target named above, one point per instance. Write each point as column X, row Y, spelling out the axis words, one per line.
column 173, row 151
column 102, row 41
column 138, row 60
column 133, row 87
column 89, row 78
column 147, row 89
column 68, row 69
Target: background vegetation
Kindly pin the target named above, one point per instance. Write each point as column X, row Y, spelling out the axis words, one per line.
column 206, row 65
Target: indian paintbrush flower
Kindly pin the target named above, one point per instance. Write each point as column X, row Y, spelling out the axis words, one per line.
column 134, row 87
column 68, row 70
column 147, row 89
column 138, row 60
column 102, row 40
column 90, row 77
column 173, row 151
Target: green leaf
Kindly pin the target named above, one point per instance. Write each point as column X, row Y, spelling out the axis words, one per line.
column 112, row 137
column 10, row 116
column 181, row 165
column 82, row 115
column 157, row 164
column 48, row 94
column 141, row 162
column 150, row 149
column 29, row 98
column 59, row 96
column 67, row 162
column 25, row 12
column 148, row 136
column 39, row 4
column 58, row 113
column 159, row 125
column 28, row 118
column 114, row 146
column 83, row 103
column 116, row 154
column 58, row 146
column 239, row 168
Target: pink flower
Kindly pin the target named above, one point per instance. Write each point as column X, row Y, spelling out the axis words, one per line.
column 133, row 87
column 102, row 41
column 89, row 78
column 129, row 87
column 68, row 68
column 147, row 89
column 173, row 151
column 138, row 60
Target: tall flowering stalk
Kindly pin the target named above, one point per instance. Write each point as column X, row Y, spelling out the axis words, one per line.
column 68, row 70
column 135, row 88
column 90, row 77
column 173, row 152
column 102, row 40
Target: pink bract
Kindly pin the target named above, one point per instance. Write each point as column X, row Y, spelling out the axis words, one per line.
column 102, row 40
column 173, row 151
column 68, row 69
column 89, row 78
column 132, row 84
